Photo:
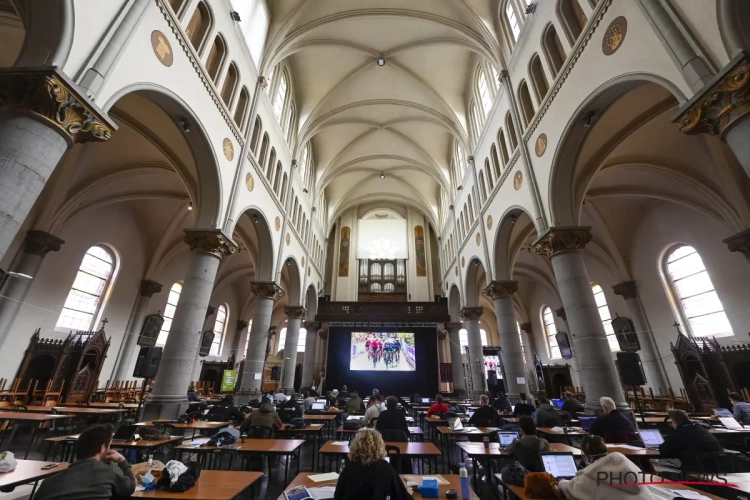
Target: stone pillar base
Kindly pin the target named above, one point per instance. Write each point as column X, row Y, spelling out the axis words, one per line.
column 244, row 397
column 164, row 409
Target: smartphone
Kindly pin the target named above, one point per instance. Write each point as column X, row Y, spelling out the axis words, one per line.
column 49, row 466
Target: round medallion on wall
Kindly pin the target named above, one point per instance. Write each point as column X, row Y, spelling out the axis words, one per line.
column 303, row 262
column 614, row 36
column 249, row 181
column 479, row 239
column 489, row 222
column 228, row 149
column 288, row 239
column 541, row 145
column 517, row 180
column 277, row 223
column 162, row 48
column 463, row 261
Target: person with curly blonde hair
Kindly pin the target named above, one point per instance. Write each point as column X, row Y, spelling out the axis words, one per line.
column 367, row 475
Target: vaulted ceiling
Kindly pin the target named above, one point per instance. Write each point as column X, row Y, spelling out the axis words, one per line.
column 365, row 120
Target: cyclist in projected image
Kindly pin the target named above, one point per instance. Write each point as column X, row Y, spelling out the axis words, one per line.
column 383, row 351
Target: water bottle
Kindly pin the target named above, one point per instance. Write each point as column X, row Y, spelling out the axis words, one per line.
column 464, row 482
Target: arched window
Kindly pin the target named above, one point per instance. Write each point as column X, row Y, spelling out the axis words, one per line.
column 488, row 175
column 550, row 330
column 477, row 121
column 693, row 295
column 303, row 162
column 484, row 93
column 263, row 152
column 247, row 340
column 572, row 18
column 255, row 139
column 220, row 329
column 503, row 147
column 280, row 98
column 216, row 58
column 471, row 210
column 283, row 186
column 199, row 25
column 463, row 337
column 461, row 160
column 601, row 304
column 300, row 340
column 239, row 114
column 511, row 132
column 87, row 296
column 495, row 161
column 230, row 85
column 527, row 107
column 553, row 49
column 520, row 339
column 512, row 19
column 482, row 187
column 277, row 178
column 541, row 87
column 290, row 123
column 172, row 299
column 176, row 5
column 271, row 164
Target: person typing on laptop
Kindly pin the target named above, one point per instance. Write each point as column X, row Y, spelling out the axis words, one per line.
column 687, row 441
column 526, row 449
column 485, row 415
column 740, row 408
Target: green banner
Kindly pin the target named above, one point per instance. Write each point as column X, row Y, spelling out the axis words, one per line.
column 228, row 381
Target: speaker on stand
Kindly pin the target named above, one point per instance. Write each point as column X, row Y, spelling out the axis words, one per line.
column 631, row 373
column 146, row 367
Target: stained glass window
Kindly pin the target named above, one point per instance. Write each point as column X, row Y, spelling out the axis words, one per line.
column 220, row 328
column 172, row 299
column 601, row 304
column 550, row 330
column 85, row 297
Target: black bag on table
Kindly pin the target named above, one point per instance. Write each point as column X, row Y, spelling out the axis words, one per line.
column 184, row 482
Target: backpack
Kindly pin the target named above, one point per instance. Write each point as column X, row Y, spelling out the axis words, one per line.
column 514, row 474
column 353, row 425
column 298, row 423
column 455, row 409
column 223, row 438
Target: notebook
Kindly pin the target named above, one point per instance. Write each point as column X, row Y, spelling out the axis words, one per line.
column 297, row 493
column 730, row 423
column 652, row 438
column 559, row 464
column 506, row 438
column 722, row 412
column 124, row 434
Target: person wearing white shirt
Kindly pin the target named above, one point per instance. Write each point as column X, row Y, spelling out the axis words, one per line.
column 373, row 410
column 280, row 397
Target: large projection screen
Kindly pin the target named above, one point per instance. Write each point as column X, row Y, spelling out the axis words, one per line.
column 382, row 239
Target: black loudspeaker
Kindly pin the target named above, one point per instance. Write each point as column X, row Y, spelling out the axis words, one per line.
column 206, row 340
column 631, row 369
column 276, row 373
column 148, row 362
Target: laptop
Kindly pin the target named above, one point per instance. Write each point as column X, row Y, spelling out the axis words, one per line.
column 557, row 402
column 124, row 434
column 506, row 438
column 586, row 422
column 730, row 423
column 324, row 401
column 722, row 412
column 652, row 438
column 318, row 406
column 559, row 464
column 469, row 414
column 426, row 400
column 455, row 424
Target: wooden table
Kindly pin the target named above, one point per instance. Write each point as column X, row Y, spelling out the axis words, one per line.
column 126, row 406
column 14, row 416
column 264, row 447
column 327, row 420
column 415, row 433
column 146, row 445
column 446, row 433
column 28, row 471
column 76, row 410
column 212, row 485
column 409, row 450
column 303, row 479
column 196, row 426
column 313, row 430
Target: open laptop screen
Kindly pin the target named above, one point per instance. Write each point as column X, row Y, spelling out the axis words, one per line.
column 586, row 422
column 560, row 465
column 730, row 423
column 318, row 406
column 557, row 402
column 506, row 438
column 722, row 412
column 651, row 437
column 426, row 400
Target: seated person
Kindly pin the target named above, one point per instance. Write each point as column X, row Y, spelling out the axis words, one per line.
column 485, row 415
column 265, row 416
column 438, row 407
column 367, row 476
column 740, row 408
column 227, row 409
column 308, row 400
column 374, row 410
column 571, row 405
column 280, row 397
column 392, row 417
column 523, row 407
column 193, row 396
column 289, row 409
column 502, row 403
column 97, row 473
column 344, row 392
column 354, row 405
column 546, row 414
column 588, row 485
column 613, row 426
column 526, row 450
column 376, row 393
column 687, row 441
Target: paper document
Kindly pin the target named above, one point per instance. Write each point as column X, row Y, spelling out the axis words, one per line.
column 557, row 429
column 321, row 492
column 413, row 478
column 626, row 446
column 660, row 492
column 331, row 476
column 340, row 443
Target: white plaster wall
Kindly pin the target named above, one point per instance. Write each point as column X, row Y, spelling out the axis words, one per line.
column 95, row 16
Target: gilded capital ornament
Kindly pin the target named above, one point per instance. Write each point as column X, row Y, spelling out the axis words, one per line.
column 498, row 289
column 267, row 289
column 471, row 313
column 453, row 327
column 211, row 241
column 627, row 290
column 40, row 243
column 311, row 325
column 47, row 95
column 722, row 105
column 263, row 82
column 294, row 312
column 562, row 239
column 149, row 288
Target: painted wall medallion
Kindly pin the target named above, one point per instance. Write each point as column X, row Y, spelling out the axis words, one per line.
column 419, row 251
column 489, row 222
column 541, row 145
column 228, row 149
column 517, row 180
column 288, row 239
column 344, row 252
column 277, row 223
column 249, row 181
column 479, row 239
column 614, row 36
column 162, row 48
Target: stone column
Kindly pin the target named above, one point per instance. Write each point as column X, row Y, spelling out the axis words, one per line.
column 169, row 396
column 564, row 247
column 294, row 316
column 238, row 346
column 308, row 365
column 130, row 343
column 721, row 108
column 42, row 115
column 25, row 268
column 574, row 372
column 501, row 293
column 651, row 357
column 266, row 292
column 457, row 359
column 470, row 317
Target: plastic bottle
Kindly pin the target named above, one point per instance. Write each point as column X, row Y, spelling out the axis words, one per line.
column 464, row 482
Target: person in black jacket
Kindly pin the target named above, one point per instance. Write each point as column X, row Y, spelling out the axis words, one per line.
column 227, row 409
column 687, row 441
column 485, row 415
column 502, row 403
column 289, row 409
column 368, row 476
column 571, row 405
column 523, row 407
column 392, row 417
column 613, row 426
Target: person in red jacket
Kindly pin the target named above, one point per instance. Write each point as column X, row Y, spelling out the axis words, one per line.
column 438, row 407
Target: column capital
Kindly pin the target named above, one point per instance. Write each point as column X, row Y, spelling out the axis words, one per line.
column 562, row 239
column 211, row 241
column 721, row 104
column 267, row 289
column 560, row 313
column 294, row 312
column 40, row 243
column 149, row 288
column 498, row 289
column 526, row 327
column 627, row 290
column 311, row 325
column 263, row 82
column 323, row 334
column 241, row 324
column 471, row 313
column 441, row 334
column 739, row 242
column 47, row 94
column 453, row 327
